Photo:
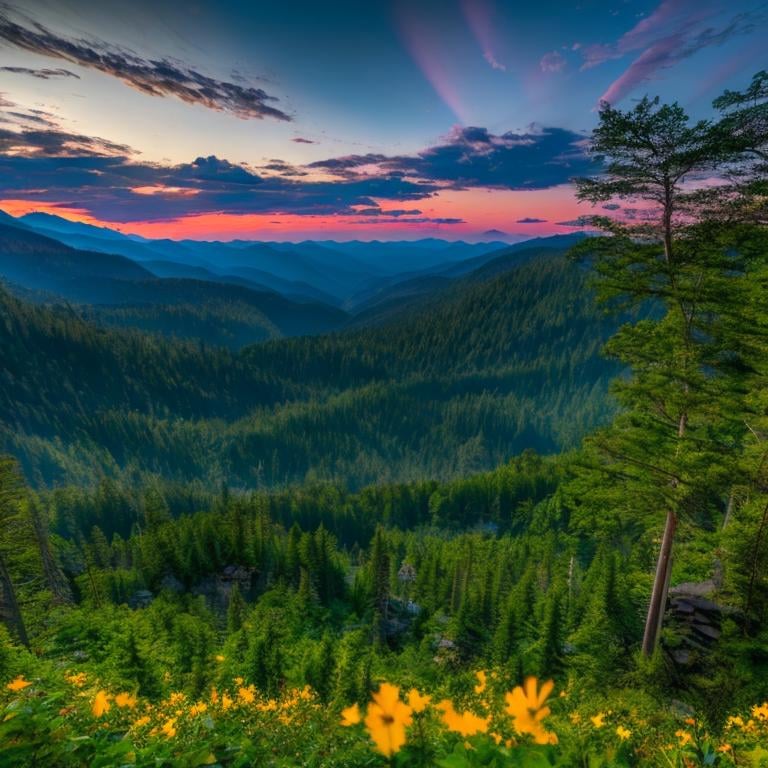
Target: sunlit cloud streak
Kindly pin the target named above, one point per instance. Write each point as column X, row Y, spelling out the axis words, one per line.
column 479, row 16
column 425, row 49
column 675, row 31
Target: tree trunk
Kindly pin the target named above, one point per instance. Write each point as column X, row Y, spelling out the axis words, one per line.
column 10, row 613
column 728, row 510
column 658, row 602
column 755, row 566
column 54, row 578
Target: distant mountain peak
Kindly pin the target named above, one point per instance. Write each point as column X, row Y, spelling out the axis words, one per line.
column 50, row 222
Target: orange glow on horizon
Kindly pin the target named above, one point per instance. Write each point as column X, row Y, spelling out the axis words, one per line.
column 22, row 207
column 480, row 210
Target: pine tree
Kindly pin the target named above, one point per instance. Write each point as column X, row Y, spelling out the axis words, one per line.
column 54, row 578
column 322, row 667
column 683, row 401
column 546, row 653
column 379, row 574
column 11, row 521
column 134, row 667
column 235, row 610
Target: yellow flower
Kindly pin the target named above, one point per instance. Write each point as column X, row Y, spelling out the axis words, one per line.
column 736, row 721
column 598, row 720
column 214, row 696
column 169, row 728
column 351, row 715
column 239, row 681
column 246, row 695
column 623, row 733
column 386, row 719
column 575, row 718
column 526, row 707
column 19, row 684
column 761, row 712
column 683, row 737
column 482, row 679
column 177, row 697
column 100, row 704
column 418, row 702
column 124, row 700
column 76, row 678
column 142, row 721
column 198, row 709
column 226, row 702
column 465, row 723
column 725, row 748
column 220, row 658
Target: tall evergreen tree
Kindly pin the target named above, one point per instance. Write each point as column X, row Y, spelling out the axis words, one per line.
column 235, row 610
column 683, row 401
column 11, row 521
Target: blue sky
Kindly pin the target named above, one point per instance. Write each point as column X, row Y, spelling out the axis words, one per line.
column 283, row 91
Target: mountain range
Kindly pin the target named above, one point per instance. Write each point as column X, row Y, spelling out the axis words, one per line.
column 233, row 293
column 182, row 366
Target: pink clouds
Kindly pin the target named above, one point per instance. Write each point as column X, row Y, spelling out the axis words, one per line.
column 660, row 55
column 433, row 60
column 455, row 214
column 479, row 16
column 552, row 62
column 676, row 30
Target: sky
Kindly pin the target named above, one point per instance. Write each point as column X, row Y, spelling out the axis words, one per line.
column 223, row 119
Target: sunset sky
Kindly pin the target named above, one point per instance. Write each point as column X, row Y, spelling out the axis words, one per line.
column 347, row 120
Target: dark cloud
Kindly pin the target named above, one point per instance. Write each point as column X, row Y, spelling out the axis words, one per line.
column 40, row 74
column 530, row 220
column 16, row 115
column 301, row 140
column 217, row 172
column 119, row 188
column 611, row 206
column 107, row 179
column 349, row 162
column 283, row 168
column 27, row 117
column 46, row 142
column 395, row 213
column 581, row 221
column 417, row 220
column 473, row 157
column 155, row 77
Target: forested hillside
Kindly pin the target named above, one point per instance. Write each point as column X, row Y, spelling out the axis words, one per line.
column 483, row 371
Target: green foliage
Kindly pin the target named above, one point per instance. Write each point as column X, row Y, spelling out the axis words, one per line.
column 420, row 396
column 189, row 565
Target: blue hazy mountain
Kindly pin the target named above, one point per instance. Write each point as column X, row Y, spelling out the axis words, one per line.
column 320, row 270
